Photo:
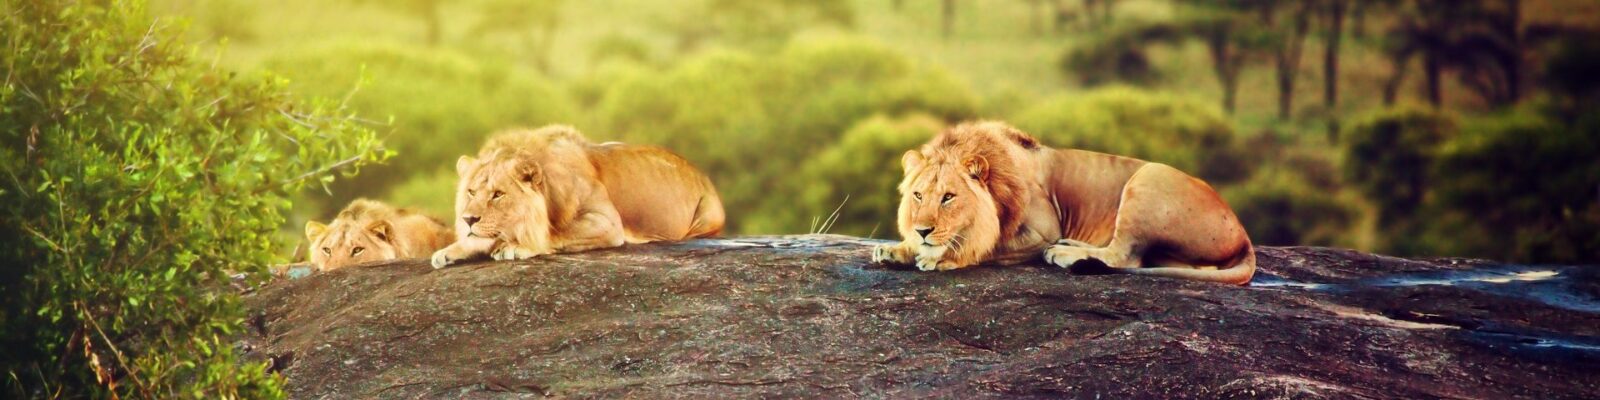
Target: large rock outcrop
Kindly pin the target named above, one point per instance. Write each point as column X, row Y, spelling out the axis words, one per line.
column 812, row 317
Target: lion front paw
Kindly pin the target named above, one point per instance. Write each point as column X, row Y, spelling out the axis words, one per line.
column 515, row 253
column 889, row 254
column 1064, row 256
column 932, row 258
column 442, row 258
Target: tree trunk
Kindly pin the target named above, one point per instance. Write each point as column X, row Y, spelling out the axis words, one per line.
column 435, row 23
column 1399, row 62
column 1330, row 54
column 1060, row 21
column 1513, row 61
column 1432, row 68
column 1288, row 58
column 949, row 12
column 1226, row 67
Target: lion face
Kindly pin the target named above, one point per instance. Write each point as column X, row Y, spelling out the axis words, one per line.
column 347, row 242
column 500, row 198
column 944, row 203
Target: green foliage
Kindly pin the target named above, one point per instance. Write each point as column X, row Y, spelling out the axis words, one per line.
column 1389, row 155
column 435, row 99
column 1541, row 205
column 135, row 182
column 1182, row 132
column 1280, row 207
column 750, row 121
column 857, row 177
column 1118, row 55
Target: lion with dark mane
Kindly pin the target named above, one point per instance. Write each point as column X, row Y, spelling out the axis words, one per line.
column 987, row 192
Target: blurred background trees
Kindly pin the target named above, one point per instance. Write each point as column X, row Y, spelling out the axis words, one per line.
column 1361, row 123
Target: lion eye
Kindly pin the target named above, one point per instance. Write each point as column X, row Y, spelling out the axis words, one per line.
column 472, row 193
column 947, row 197
column 917, row 195
column 497, row 195
column 357, row 251
column 327, row 251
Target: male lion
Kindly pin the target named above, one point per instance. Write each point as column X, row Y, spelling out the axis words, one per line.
column 550, row 190
column 368, row 230
column 988, row 192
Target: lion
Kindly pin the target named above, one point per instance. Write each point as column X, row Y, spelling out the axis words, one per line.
column 530, row 193
column 987, row 192
column 368, row 230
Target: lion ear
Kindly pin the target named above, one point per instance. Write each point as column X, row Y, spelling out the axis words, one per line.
column 912, row 160
column 381, row 230
column 529, row 173
column 464, row 164
column 977, row 167
column 315, row 230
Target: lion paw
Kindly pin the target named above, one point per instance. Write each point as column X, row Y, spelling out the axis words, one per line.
column 441, row 258
column 514, row 253
column 888, row 254
column 1063, row 256
column 1073, row 243
column 933, row 259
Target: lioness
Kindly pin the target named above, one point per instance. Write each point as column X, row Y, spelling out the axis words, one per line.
column 988, row 192
column 550, row 190
column 368, row 230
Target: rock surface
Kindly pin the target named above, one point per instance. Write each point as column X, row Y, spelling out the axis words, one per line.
column 810, row 316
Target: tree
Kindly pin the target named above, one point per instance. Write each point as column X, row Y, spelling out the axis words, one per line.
column 1333, row 36
column 947, row 21
column 138, row 185
column 517, row 16
column 1230, row 36
column 1288, row 43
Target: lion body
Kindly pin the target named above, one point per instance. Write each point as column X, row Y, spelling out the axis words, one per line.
column 1026, row 200
column 551, row 190
column 367, row 231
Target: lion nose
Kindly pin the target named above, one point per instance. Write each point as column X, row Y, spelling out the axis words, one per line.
column 924, row 231
column 470, row 219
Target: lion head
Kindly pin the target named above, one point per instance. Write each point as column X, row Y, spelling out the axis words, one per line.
column 502, row 197
column 352, row 238
column 963, row 191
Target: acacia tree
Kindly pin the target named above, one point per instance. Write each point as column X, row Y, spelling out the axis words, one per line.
column 1333, row 35
column 1288, row 28
column 1232, row 36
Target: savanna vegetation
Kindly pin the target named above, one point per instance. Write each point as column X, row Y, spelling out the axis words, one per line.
column 156, row 152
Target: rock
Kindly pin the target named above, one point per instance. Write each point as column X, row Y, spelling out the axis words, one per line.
column 809, row 316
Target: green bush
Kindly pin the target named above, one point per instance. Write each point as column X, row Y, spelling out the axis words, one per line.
column 1185, row 133
column 1280, row 207
column 857, row 177
column 441, row 104
column 134, row 183
column 750, row 121
column 1389, row 155
column 1528, row 182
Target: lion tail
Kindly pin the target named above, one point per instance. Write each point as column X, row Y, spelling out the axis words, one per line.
column 1237, row 274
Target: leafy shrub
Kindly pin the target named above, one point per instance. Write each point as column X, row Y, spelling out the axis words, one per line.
column 1527, row 182
column 441, row 104
column 135, row 182
column 749, row 121
column 857, row 177
column 1182, row 132
column 1280, row 207
column 1389, row 155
